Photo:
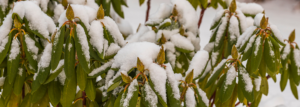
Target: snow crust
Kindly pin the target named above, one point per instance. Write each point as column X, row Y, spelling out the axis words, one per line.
column 60, row 64
column 158, row 77
column 198, row 63
column 5, row 29
column 38, row 20
column 286, row 51
column 257, row 82
column 96, row 33
column 150, row 95
column 247, row 79
column 162, row 13
column 30, row 43
column 230, row 76
column 131, row 89
column 172, row 80
column 83, row 41
column 190, row 100
column 245, row 36
column 46, row 56
column 203, row 95
column 250, row 8
column 2, row 79
column 101, row 68
column 15, row 49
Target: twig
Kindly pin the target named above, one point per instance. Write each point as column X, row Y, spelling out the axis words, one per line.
column 84, row 100
column 212, row 98
column 202, row 14
column 148, row 10
column 237, row 104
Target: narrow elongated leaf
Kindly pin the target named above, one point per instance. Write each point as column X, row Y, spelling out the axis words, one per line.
column 4, row 52
column 117, row 7
column 216, row 73
column 7, row 88
column 57, row 47
column 129, row 99
column 55, row 74
column 160, row 99
column 54, row 92
column 13, row 65
column 81, row 78
column 39, row 94
column 256, row 54
column 269, row 55
column 83, row 62
column 227, row 89
column 90, row 90
column 264, row 86
column 245, row 84
column 118, row 100
column 69, row 92
column 201, row 98
column 26, row 101
column 19, row 81
column 284, row 79
column 294, row 69
column 171, row 100
column 69, row 66
column 294, row 88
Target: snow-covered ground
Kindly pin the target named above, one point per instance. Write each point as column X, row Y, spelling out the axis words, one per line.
column 280, row 13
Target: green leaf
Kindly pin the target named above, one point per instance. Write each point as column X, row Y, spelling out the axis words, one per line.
column 118, row 100
column 90, row 90
column 19, row 81
column 81, row 78
column 171, row 100
column 83, row 62
column 244, row 79
column 39, row 94
column 165, row 25
column 29, row 55
column 269, row 55
column 161, row 56
column 294, row 88
column 284, row 79
column 256, row 55
column 12, row 66
column 7, row 88
column 160, row 99
column 4, row 52
column 264, row 86
column 134, row 98
column 294, row 69
column 26, row 101
column 69, row 92
column 117, row 7
column 125, row 78
column 54, row 92
column 264, row 22
column 234, row 52
column 57, row 47
column 69, row 66
column 227, row 90
column 55, row 74
column 194, row 3
column 199, row 98
column 216, row 73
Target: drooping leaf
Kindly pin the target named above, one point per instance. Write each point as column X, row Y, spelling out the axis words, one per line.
column 69, row 92
column 90, row 90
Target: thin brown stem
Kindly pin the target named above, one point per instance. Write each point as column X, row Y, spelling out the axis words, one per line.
column 202, row 14
column 23, row 91
column 84, row 100
column 212, row 98
column 148, row 10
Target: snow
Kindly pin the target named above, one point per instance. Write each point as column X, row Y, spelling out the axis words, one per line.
column 187, row 15
column 217, row 67
column 5, row 29
column 245, row 36
column 163, row 12
column 257, row 45
column 221, row 29
column 89, row 3
column 101, row 68
column 46, row 56
column 123, row 25
column 214, row 57
column 38, row 20
column 172, row 80
column 20, row 71
column 190, row 100
column 3, row 4
column 131, row 89
column 60, row 64
column 62, row 77
column 112, row 49
column 286, row 51
column 167, row 33
column 15, row 49
column 83, row 42
column 243, row 20
column 113, row 29
column 230, row 76
column 218, row 16
column 96, row 34
column 158, row 77
column 234, row 29
column 249, row 44
column 70, row 46
column 257, row 19
column 257, row 83
column 297, row 57
column 250, row 8
column 207, row 69
column 203, row 95
column 58, row 10
column 85, row 13
column 198, row 63
column 148, row 37
column 2, row 79
column 30, row 43
column 147, row 52
column 136, row 37
column 209, row 47
column 276, row 32
column 247, row 79
column 150, row 95
column 182, row 42
column 43, row 4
